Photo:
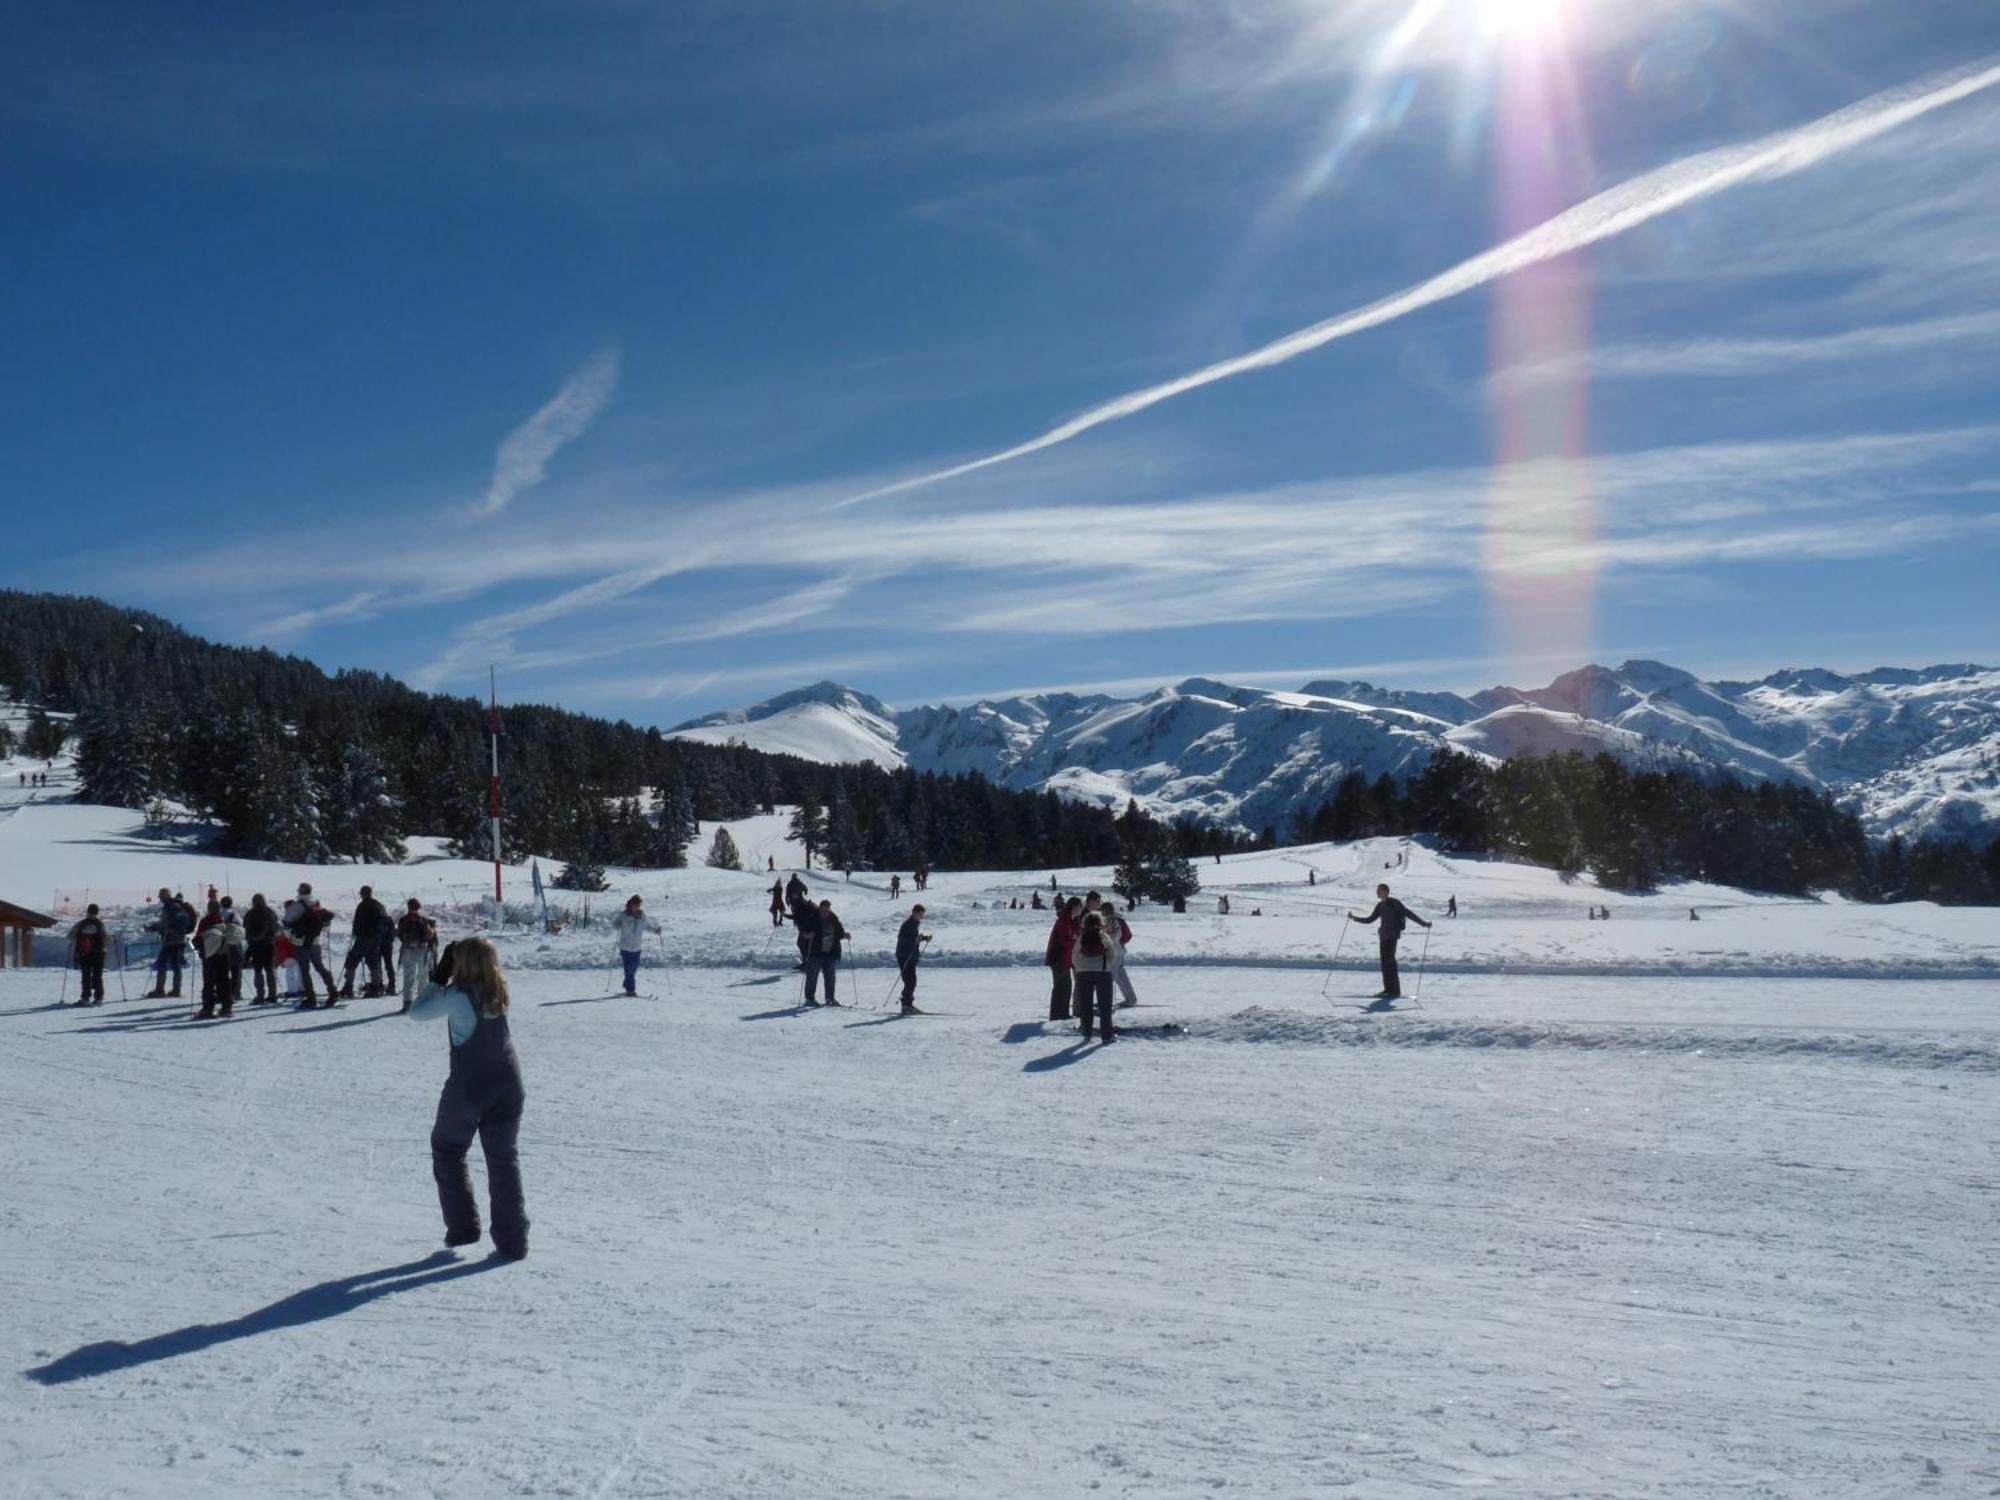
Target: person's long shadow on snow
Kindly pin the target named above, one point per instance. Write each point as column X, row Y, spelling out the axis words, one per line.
column 327, row 1300
column 380, row 1015
column 1076, row 1051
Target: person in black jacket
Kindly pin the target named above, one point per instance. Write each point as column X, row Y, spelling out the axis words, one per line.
column 307, row 927
column 370, row 926
column 909, row 948
column 827, row 936
column 805, row 920
column 87, row 942
column 260, row 939
column 1394, row 916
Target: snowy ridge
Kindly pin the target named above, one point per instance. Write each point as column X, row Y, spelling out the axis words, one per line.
column 1355, row 1029
column 1914, row 751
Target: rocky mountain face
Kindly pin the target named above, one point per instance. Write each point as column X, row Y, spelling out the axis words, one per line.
column 1915, row 751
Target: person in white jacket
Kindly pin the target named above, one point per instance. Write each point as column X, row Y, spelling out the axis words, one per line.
column 1094, row 957
column 632, row 925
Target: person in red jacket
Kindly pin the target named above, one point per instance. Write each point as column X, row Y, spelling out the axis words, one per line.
column 1062, row 938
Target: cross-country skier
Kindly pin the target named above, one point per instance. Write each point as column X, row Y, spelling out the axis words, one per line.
column 895, row 887
column 419, row 936
column 1094, row 958
column 307, row 922
column 1393, row 915
column 483, row 1096
column 260, row 938
column 1057, row 955
column 827, row 936
column 1451, row 907
column 371, row 921
column 777, row 903
column 173, row 925
column 632, row 925
column 909, row 948
column 88, row 940
column 804, row 919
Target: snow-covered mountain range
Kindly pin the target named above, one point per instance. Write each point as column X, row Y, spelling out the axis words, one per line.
column 1914, row 751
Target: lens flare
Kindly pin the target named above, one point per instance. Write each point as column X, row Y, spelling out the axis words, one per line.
column 1541, row 521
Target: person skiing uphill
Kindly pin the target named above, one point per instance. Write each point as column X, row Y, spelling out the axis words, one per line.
column 483, row 1096
column 777, row 903
column 827, row 936
column 370, row 923
column 1393, row 916
column 87, row 942
column 633, row 924
column 909, row 948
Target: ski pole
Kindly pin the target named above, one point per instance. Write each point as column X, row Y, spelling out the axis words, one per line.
column 666, row 980
column 62, row 997
column 1422, row 959
column 123, row 959
column 1327, row 983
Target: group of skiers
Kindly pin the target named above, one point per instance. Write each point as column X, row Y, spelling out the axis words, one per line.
column 262, row 940
column 1086, row 960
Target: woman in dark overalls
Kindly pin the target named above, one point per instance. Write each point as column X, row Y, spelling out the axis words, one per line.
column 483, row 1096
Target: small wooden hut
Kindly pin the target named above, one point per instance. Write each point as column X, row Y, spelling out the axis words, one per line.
column 18, row 926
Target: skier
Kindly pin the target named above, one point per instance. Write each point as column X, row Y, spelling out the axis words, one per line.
column 208, row 941
column 804, row 918
column 1094, row 958
column 632, row 925
column 1451, row 907
column 909, row 948
column 419, row 937
column 1312, row 877
column 827, row 936
column 777, row 903
column 895, row 887
column 371, row 921
column 173, row 926
column 234, row 948
column 1035, row 901
column 483, row 1096
column 87, row 943
column 1693, row 915
column 1062, row 939
column 1393, row 915
column 307, row 922
column 1121, row 933
column 260, row 936
column 1222, row 905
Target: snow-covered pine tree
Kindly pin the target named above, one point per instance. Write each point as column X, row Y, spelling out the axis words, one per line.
column 722, row 853
column 843, row 835
column 44, row 738
column 1170, row 875
column 361, row 815
column 673, row 820
column 281, row 811
column 114, row 761
column 581, row 875
column 808, row 825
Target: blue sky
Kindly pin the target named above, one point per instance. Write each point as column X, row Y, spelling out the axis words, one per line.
column 601, row 340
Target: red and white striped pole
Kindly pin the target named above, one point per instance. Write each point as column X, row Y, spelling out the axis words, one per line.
column 493, row 729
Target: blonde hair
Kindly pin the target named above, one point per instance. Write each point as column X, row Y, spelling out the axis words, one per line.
column 475, row 968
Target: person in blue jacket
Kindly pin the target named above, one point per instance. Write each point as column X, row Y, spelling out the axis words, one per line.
column 483, row 1096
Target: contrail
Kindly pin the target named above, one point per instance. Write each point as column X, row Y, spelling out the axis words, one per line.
column 1610, row 213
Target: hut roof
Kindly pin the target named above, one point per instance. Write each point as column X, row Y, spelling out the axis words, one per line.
column 20, row 916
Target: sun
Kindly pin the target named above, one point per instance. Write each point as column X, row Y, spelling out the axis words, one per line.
column 1520, row 18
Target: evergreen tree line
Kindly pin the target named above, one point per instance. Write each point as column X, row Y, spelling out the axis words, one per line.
column 1632, row 829
column 296, row 764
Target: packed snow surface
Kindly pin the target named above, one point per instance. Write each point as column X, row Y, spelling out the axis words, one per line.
column 1613, row 1213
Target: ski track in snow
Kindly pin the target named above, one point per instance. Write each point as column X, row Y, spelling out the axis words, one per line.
column 1546, row 1236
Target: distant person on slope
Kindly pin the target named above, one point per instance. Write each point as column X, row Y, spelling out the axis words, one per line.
column 1451, row 907
column 632, row 925
column 1393, row 916
column 419, row 936
column 88, row 940
column 827, row 937
column 777, row 903
column 483, row 1096
column 909, row 948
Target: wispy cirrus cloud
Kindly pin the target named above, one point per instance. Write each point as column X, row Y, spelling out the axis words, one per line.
column 523, row 459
